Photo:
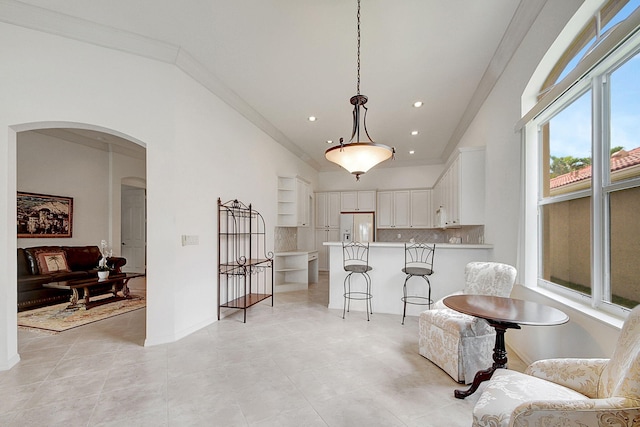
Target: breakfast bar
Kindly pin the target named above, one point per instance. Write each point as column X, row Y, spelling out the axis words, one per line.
column 387, row 278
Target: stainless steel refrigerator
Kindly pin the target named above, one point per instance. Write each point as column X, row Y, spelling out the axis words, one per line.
column 357, row 227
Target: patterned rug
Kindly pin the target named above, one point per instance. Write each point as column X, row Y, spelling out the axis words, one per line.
column 56, row 318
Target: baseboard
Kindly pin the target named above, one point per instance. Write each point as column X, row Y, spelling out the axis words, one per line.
column 5, row 366
column 166, row 339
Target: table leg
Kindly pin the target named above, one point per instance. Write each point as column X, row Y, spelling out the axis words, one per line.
column 73, row 301
column 125, row 288
column 499, row 359
column 87, row 296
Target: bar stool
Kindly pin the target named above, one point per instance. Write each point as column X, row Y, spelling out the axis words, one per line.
column 418, row 261
column 355, row 256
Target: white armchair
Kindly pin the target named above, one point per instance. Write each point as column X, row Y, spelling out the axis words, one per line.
column 569, row 392
column 459, row 344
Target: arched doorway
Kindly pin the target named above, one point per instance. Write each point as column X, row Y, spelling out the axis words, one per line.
column 87, row 163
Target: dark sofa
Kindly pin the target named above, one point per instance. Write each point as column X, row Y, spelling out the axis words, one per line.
column 44, row 264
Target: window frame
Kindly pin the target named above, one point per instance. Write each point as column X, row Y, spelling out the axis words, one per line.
column 597, row 81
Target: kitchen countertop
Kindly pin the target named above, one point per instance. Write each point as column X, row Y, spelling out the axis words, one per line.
column 292, row 253
column 438, row 245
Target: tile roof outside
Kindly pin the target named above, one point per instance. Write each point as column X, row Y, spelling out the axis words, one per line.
column 620, row 160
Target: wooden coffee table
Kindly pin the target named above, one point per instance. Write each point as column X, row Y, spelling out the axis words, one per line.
column 502, row 314
column 115, row 280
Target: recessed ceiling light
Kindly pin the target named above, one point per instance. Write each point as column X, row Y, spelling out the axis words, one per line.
column 329, row 141
column 412, row 152
column 312, row 118
column 414, row 132
column 417, row 104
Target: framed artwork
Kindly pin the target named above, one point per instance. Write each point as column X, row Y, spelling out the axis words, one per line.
column 41, row 215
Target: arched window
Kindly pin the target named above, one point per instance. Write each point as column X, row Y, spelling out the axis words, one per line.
column 586, row 165
column 596, row 30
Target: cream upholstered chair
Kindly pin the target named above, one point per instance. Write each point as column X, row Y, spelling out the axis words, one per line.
column 460, row 344
column 569, row 392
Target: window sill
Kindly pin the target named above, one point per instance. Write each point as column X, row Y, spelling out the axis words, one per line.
column 586, row 310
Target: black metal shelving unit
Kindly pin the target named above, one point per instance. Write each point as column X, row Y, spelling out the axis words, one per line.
column 245, row 267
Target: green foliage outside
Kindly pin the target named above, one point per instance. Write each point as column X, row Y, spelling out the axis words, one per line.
column 561, row 165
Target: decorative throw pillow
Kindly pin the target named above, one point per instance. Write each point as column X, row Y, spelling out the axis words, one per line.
column 50, row 262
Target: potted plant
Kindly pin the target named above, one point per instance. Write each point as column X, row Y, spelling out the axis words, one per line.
column 103, row 268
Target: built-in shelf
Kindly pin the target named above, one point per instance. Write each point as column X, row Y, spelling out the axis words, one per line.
column 291, row 271
column 293, row 210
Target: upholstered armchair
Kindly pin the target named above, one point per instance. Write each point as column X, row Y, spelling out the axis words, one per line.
column 569, row 392
column 459, row 344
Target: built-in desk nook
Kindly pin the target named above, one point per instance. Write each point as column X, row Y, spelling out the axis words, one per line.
column 387, row 260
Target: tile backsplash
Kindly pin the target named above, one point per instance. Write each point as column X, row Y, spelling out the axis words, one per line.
column 285, row 239
column 467, row 234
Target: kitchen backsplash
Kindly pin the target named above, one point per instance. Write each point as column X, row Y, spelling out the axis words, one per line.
column 465, row 234
column 285, row 239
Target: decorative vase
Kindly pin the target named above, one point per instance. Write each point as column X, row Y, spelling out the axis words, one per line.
column 103, row 274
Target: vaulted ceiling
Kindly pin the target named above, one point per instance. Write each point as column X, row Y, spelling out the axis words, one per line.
column 280, row 61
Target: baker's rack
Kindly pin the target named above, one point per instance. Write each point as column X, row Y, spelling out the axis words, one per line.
column 245, row 267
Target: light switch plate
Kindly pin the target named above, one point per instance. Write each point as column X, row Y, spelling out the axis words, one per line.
column 190, row 240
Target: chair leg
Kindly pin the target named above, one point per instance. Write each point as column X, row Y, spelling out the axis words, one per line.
column 346, row 292
column 428, row 283
column 368, row 295
column 346, row 306
column 404, row 300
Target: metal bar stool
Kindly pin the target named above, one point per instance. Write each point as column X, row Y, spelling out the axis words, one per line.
column 355, row 258
column 418, row 261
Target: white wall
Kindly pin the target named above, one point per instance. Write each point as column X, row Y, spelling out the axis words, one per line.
column 52, row 166
column 381, row 178
column 92, row 177
column 198, row 149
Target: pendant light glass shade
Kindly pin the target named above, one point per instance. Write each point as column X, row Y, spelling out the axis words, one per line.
column 359, row 157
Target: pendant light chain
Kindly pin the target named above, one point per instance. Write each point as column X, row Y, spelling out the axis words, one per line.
column 359, row 156
column 358, row 87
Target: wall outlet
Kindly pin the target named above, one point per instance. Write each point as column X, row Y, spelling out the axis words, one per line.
column 399, row 236
column 190, row 240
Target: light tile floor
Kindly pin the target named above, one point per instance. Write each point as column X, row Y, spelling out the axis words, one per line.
column 294, row 364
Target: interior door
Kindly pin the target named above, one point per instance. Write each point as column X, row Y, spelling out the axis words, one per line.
column 133, row 229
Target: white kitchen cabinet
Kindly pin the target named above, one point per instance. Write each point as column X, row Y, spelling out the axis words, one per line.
column 353, row 201
column 327, row 225
column 325, row 235
column 327, row 210
column 293, row 202
column 461, row 189
column 421, row 212
column 393, row 209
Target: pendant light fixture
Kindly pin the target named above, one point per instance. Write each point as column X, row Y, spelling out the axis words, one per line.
column 357, row 156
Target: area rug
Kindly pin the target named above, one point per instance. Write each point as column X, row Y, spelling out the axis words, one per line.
column 56, row 318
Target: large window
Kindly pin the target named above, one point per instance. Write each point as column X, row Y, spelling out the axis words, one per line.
column 589, row 189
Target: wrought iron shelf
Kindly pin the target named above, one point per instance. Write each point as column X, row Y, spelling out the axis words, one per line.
column 245, row 267
column 244, row 303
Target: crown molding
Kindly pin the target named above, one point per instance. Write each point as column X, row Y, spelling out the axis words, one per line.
column 523, row 18
column 40, row 19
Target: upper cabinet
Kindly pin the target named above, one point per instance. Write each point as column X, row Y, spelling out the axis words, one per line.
column 404, row 209
column 461, row 190
column 293, row 202
column 353, row 201
column 393, row 209
column 328, row 210
column 421, row 209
